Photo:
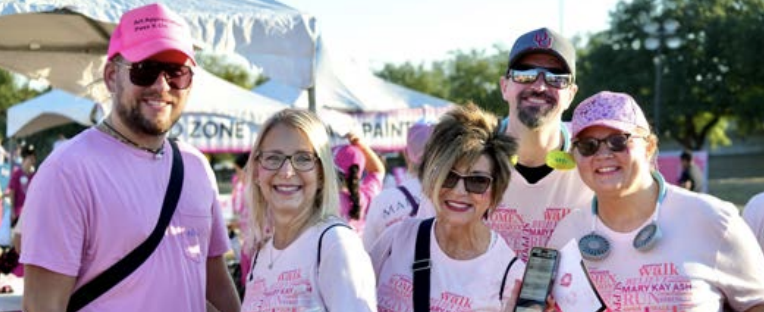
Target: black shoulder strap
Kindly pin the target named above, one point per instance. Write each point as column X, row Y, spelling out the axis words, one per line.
column 410, row 198
column 421, row 267
column 321, row 239
column 318, row 259
column 127, row 265
column 504, row 279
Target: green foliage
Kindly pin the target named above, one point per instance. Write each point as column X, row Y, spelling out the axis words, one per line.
column 706, row 82
column 471, row 76
column 221, row 66
column 709, row 82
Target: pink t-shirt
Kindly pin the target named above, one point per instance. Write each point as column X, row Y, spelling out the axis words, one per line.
column 19, row 184
column 706, row 256
column 455, row 285
column 369, row 186
column 95, row 199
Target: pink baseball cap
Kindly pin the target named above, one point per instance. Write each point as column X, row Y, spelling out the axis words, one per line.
column 348, row 155
column 416, row 139
column 609, row 109
column 148, row 30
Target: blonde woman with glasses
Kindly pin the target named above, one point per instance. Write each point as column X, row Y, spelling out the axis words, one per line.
column 307, row 258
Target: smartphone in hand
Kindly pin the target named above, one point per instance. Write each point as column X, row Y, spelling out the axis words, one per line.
column 537, row 280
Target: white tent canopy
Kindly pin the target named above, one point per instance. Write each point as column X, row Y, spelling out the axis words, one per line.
column 344, row 85
column 49, row 110
column 219, row 116
column 65, row 41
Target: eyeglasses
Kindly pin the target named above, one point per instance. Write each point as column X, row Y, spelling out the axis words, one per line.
column 476, row 184
column 145, row 73
column 301, row 161
column 615, row 142
column 553, row 78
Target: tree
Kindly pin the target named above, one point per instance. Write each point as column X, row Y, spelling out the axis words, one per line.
column 223, row 67
column 471, row 76
column 709, row 80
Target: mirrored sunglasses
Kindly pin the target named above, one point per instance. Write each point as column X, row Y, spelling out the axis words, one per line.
column 615, row 142
column 552, row 78
column 476, row 184
column 144, row 74
column 300, row 161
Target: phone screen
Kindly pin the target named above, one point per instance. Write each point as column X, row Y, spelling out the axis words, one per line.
column 538, row 275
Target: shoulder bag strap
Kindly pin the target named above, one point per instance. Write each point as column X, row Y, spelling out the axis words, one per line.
column 321, row 239
column 410, row 198
column 421, row 267
column 127, row 265
column 504, row 280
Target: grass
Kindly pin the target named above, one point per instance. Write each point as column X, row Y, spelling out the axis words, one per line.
column 736, row 178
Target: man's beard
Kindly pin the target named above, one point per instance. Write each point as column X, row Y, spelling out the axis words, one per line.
column 133, row 119
column 533, row 116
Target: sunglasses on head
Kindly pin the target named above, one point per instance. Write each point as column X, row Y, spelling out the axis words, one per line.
column 145, row 73
column 553, row 78
column 476, row 184
column 615, row 142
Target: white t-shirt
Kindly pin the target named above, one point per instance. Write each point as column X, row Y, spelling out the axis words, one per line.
column 389, row 207
column 707, row 256
column 528, row 213
column 288, row 279
column 455, row 285
column 95, row 199
column 753, row 214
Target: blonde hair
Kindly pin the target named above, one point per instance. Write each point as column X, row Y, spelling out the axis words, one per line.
column 462, row 136
column 326, row 201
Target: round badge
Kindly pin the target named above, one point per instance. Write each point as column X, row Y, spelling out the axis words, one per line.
column 560, row 160
column 647, row 237
column 513, row 160
column 594, row 247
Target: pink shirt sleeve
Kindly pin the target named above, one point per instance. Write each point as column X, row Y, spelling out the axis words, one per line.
column 64, row 225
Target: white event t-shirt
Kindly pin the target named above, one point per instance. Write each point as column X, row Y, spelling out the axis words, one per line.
column 291, row 279
column 390, row 207
column 753, row 214
column 706, row 256
column 455, row 285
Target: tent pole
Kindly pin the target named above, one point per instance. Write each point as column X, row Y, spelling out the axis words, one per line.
column 312, row 98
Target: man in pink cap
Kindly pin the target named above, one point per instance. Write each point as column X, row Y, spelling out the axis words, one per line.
column 97, row 198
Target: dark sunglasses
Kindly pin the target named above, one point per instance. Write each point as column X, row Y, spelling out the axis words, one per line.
column 615, row 142
column 145, row 73
column 552, row 78
column 476, row 184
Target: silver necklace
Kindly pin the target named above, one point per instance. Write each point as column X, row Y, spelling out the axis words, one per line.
column 272, row 258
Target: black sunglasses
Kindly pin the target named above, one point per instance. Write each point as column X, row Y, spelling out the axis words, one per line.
column 615, row 142
column 476, row 184
column 553, row 78
column 145, row 73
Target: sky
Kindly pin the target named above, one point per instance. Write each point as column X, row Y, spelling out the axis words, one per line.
column 422, row 31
